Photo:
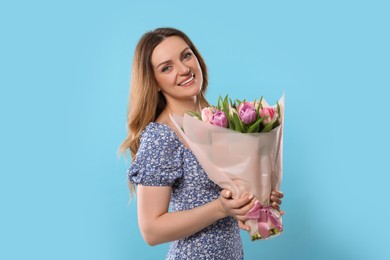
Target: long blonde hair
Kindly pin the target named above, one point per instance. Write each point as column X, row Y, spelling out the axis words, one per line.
column 145, row 101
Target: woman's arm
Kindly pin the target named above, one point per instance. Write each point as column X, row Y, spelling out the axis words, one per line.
column 158, row 226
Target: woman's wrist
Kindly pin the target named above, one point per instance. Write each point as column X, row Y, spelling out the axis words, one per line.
column 221, row 212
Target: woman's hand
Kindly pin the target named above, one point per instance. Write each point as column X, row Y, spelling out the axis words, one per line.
column 239, row 207
column 236, row 207
column 276, row 200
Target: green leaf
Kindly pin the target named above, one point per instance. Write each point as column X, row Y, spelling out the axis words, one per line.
column 231, row 120
column 244, row 128
column 225, row 100
column 237, row 123
column 256, row 110
column 255, row 127
column 268, row 127
column 225, row 106
column 231, row 123
column 220, row 102
column 231, row 102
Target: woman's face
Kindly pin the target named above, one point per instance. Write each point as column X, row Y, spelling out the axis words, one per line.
column 176, row 69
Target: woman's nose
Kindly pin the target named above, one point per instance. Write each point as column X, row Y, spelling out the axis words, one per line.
column 184, row 70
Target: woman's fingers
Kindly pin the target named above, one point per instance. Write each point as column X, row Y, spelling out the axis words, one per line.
column 240, row 206
column 241, row 212
column 275, row 199
column 236, row 207
column 227, row 194
column 275, row 206
column 241, row 218
column 242, row 225
column 235, row 203
column 278, row 194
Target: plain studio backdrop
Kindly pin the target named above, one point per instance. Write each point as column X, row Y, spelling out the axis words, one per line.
column 64, row 77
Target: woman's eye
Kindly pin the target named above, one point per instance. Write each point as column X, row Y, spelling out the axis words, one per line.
column 166, row 68
column 187, row 55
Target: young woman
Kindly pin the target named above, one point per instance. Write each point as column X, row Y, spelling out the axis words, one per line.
column 170, row 76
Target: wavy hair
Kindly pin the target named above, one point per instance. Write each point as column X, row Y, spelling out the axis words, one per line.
column 145, row 102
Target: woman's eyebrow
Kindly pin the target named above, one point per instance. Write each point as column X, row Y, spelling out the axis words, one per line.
column 187, row 48
column 167, row 61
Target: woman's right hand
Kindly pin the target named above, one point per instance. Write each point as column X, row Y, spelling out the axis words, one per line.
column 236, row 208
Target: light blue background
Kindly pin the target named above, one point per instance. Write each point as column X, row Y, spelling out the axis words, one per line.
column 65, row 71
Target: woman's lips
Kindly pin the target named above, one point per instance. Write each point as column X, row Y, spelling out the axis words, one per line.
column 187, row 81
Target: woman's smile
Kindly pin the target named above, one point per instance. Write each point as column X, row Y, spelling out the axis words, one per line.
column 189, row 81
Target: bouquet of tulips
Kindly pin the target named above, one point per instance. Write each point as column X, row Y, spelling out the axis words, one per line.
column 240, row 146
column 242, row 116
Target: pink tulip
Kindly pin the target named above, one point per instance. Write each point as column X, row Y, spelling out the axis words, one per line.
column 242, row 104
column 219, row 118
column 247, row 113
column 207, row 114
column 270, row 112
column 254, row 105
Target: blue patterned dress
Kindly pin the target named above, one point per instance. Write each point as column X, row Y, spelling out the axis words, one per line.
column 163, row 160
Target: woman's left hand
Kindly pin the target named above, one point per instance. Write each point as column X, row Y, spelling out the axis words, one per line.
column 276, row 200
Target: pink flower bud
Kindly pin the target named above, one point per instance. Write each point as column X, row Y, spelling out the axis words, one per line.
column 232, row 111
column 219, row 118
column 255, row 105
column 242, row 104
column 207, row 114
column 247, row 113
column 270, row 112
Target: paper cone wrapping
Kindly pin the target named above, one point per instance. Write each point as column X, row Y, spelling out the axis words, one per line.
column 240, row 162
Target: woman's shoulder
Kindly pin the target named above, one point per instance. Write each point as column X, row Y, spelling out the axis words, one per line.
column 156, row 128
column 159, row 158
column 159, row 133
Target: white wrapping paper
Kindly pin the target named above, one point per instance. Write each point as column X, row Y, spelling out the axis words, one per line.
column 240, row 162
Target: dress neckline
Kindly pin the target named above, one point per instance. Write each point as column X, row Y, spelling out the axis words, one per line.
column 174, row 133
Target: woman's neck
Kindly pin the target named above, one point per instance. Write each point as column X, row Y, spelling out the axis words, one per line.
column 180, row 107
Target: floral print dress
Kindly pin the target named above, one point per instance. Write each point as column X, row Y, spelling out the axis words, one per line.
column 163, row 160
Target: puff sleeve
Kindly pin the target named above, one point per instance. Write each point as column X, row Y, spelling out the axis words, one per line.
column 159, row 160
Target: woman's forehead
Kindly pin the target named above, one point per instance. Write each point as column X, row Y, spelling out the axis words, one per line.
column 168, row 49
